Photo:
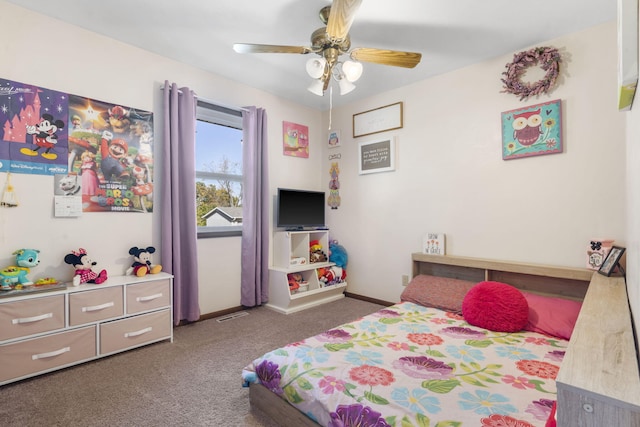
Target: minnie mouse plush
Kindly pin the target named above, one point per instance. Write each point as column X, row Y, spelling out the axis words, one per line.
column 82, row 263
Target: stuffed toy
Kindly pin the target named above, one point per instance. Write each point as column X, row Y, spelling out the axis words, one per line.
column 294, row 281
column 316, row 254
column 142, row 261
column 15, row 276
column 338, row 254
column 331, row 275
column 83, row 264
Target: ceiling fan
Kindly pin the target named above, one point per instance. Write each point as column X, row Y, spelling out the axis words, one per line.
column 332, row 41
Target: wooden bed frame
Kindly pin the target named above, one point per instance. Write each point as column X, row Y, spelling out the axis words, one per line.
column 599, row 381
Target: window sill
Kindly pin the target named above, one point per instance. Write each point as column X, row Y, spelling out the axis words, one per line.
column 214, row 232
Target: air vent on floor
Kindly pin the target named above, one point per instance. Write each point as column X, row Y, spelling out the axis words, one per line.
column 231, row 316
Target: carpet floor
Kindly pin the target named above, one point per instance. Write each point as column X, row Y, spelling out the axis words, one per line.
column 194, row 381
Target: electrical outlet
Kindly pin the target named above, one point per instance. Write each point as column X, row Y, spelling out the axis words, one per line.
column 405, row 280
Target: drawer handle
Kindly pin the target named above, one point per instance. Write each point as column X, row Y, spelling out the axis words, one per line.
column 136, row 333
column 149, row 298
column 32, row 319
column 50, row 354
column 98, row 307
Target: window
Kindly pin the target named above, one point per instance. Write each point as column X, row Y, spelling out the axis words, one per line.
column 218, row 171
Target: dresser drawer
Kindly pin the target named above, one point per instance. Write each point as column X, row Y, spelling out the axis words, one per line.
column 148, row 296
column 134, row 331
column 91, row 306
column 52, row 351
column 33, row 316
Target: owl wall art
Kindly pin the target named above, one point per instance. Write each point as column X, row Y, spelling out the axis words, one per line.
column 532, row 130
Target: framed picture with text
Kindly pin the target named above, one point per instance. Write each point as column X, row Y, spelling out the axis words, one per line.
column 378, row 120
column 377, row 156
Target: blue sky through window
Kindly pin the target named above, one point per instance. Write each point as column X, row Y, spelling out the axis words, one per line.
column 214, row 142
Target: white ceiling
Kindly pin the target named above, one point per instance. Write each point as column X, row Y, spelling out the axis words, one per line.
column 450, row 34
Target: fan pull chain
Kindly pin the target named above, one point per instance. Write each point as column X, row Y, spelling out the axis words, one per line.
column 330, row 104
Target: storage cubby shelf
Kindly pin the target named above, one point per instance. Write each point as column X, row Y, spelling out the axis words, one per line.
column 291, row 255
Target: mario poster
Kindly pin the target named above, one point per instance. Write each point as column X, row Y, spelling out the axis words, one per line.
column 33, row 129
column 111, row 150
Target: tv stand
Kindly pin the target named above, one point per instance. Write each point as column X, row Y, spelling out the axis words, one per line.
column 291, row 255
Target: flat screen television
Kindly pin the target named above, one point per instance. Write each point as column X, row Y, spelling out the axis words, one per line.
column 300, row 209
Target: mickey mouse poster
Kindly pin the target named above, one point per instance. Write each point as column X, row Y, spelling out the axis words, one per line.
column 33, row 134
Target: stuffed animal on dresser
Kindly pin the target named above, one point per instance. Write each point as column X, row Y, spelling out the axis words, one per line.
column 142, row 262
column 83, row 265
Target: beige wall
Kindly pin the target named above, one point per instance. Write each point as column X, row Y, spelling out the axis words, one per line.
column 93, row 66
column 633, row 208
column 450, row 176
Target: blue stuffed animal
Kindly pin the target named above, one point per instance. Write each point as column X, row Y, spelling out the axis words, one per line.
column 338, row 254
column 27, row 258
column 14, row 277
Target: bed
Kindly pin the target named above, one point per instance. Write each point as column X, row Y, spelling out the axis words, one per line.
column 439, row 357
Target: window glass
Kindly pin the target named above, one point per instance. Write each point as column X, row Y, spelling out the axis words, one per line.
column 218, row 171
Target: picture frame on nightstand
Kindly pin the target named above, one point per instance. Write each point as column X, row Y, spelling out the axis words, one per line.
column 611, row 261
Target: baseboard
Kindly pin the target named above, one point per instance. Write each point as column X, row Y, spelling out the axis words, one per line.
column 368, row 299
column 227, row 311
column 214, row 314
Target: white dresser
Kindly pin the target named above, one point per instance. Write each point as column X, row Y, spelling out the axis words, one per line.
column 42, row 332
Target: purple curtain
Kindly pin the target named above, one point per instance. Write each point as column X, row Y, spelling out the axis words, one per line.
column 255, row 209
column 178, row 200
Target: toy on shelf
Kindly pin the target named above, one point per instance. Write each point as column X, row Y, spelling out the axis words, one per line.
column 336, row 273
column 297, row 283
column 338, row 254
column 333, row 275
column 83, row 265
column 316, row 254
column 142, row 261
column 15, row 276
column 45, row 281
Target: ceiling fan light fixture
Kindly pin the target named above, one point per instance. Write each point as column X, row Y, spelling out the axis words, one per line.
column 315, row 67
column 317, row 87
column 345, row 86
column 352, row 70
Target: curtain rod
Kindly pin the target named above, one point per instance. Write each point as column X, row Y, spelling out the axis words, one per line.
column 209, row 101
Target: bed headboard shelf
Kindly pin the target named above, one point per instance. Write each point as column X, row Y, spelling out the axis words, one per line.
column 568, row 282
column 599, row 381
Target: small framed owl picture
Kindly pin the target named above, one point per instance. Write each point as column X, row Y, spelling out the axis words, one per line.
column 532, row 131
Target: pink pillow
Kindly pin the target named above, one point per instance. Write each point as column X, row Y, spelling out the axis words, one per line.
column 552, row 421
column 439, row 292
column 495, row 306
column 552, row 316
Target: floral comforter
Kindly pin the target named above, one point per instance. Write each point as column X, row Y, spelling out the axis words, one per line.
column 408, row 365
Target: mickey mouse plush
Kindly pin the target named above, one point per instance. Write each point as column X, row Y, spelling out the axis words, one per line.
column 142, row 261
column 82, row 263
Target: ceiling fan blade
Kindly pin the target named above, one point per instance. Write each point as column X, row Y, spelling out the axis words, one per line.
column 269, row 48
column 386, row 57
column 341, row 18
